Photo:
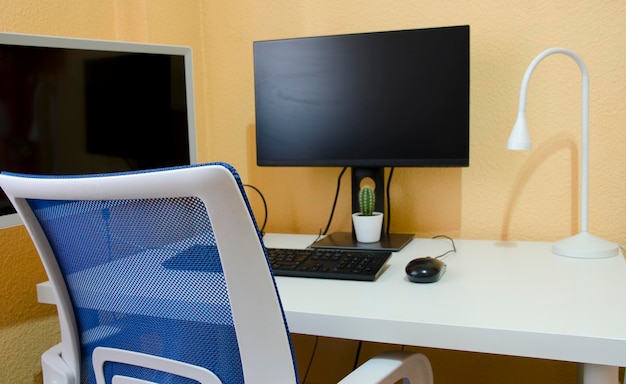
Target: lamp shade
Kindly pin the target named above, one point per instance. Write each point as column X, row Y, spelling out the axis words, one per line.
column 519, row 138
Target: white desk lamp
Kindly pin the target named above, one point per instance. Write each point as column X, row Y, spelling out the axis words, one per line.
column 583, row 245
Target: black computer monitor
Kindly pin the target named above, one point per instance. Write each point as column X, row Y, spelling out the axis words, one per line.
column 366, row 101
column 78, row 106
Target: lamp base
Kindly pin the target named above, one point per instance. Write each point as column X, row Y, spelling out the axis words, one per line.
column 585, row 246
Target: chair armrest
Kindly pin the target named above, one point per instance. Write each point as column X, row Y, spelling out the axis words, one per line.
column 102, row 355
column 54, row 369
column 390, row 367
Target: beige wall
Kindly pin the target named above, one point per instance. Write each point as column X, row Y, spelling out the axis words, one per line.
column 503, row 194
column 509, row 195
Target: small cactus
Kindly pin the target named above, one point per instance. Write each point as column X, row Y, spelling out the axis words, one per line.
column 367, row 200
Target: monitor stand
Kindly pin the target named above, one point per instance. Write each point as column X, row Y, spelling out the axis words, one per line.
column 345, row 240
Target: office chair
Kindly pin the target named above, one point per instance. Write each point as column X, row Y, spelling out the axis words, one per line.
column 161, row 276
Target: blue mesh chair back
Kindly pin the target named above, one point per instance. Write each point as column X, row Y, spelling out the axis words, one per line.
column 167, row 265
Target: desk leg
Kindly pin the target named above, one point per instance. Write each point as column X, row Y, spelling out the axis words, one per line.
column 597, row 374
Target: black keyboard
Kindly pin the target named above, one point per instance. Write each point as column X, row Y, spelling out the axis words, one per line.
column 328, row 263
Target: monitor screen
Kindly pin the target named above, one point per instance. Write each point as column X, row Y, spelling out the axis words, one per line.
column 365, row 101
column 77, row 106
column 382, row 99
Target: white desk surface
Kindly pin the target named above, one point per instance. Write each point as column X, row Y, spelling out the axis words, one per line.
column 511, row 298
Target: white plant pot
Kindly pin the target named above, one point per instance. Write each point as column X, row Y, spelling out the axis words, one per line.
column 367, row 228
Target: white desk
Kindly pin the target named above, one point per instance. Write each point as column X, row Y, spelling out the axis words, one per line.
column 511, row 298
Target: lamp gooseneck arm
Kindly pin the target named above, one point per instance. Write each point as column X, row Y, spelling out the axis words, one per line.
column 584, row 201
column 582, row 245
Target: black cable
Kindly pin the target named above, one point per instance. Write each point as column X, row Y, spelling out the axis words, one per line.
column 264, row 206
column 332, row 211
column 389, row 201
column 355, row 365
column 453, row 250
column 308, row 368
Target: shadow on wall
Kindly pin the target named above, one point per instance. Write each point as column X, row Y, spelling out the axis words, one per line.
column 538, row 157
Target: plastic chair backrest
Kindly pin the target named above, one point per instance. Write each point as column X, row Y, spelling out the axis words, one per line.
column 165, row 263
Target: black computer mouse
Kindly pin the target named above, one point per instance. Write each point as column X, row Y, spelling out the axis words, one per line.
column 425, row 270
